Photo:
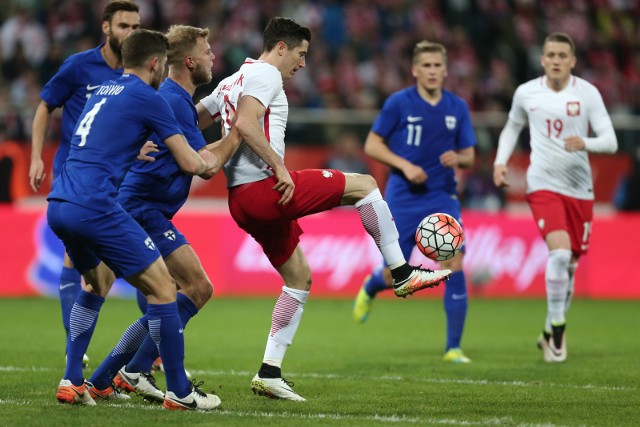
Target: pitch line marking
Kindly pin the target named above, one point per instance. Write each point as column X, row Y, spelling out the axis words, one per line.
column 330, row 376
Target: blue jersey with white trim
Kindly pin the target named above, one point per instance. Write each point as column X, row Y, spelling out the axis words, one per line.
column 161, row 184
column 115, row 123
column 421, row 132
column 78, row 77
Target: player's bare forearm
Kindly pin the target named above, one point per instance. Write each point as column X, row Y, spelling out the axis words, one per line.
column 252, row 134
column 39, row 130
column 226, row 147
column 189, row 161
column 500, row 175
column 466, row 157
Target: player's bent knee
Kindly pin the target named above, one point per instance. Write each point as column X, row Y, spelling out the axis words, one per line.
column 357, row 187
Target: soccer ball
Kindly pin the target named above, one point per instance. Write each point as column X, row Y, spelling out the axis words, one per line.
column 439, row 236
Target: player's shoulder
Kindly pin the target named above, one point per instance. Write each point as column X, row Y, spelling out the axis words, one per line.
column 86, row 57
column 531, row 85
column 453, row 99
column 257, row 68
column 581, row 85
column 401, row 96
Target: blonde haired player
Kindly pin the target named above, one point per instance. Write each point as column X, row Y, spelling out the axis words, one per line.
column 560, row 109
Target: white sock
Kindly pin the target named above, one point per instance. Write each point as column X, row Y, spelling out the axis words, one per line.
column 284, row 324
column 557, row 282
column 572, row 284
column 377, row 220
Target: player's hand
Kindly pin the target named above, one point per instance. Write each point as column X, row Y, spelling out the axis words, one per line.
column 36, row 174
column 500, row 176
column 449, row 159
column 148, row 147
column 284, row 185
column 574, row 143
column 415, row 174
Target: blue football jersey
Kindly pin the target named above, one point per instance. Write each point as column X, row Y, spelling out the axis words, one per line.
column 421, row 132
column 161, row 184
column 70, row 87
column 115, row 123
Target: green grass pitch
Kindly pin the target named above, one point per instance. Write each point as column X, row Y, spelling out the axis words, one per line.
column 387, row 372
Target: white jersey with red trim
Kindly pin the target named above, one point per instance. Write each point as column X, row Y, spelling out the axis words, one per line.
column 552, row 117
column 262, row 81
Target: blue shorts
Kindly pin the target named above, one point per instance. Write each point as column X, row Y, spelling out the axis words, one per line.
column 161, row 230
column 113, row 237
column 407, row 216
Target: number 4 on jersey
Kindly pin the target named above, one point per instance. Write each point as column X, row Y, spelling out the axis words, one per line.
column 85, row 125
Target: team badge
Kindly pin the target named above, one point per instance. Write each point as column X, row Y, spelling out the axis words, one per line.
column 327, row 174
column 149, row 243
column 170, row 235
column 573, row 108
column 450, row 122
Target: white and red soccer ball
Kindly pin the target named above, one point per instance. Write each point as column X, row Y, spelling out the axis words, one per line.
column 439, row 236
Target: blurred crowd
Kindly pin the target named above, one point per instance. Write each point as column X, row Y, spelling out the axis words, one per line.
column 360, row 51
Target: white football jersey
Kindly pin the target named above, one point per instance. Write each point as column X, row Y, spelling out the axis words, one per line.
column 553, row 116
column 263, row 82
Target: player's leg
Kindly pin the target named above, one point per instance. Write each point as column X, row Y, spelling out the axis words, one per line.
column 66, row 221
column 165, row 327
column 573, row 266
column 362, row 192
column 285, row 320
column 83, row 319
column 557, row 282
column 549, row 212
column 379, row 280
column 70, row 287
column 455, row 303
column 195, row 291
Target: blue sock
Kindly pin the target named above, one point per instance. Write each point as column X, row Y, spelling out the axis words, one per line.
column 142, row 301
column 455, row 307
column 165, row 327
column 375, row 283
column 121, row 354
column 69, row 289
column 148, row 351
column 84, row 316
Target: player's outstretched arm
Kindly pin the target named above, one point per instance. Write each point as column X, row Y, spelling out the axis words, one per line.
column 39, row 130
column 221, row 150
column 189, row 161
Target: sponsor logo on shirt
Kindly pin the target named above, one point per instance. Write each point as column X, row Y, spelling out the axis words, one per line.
column 573, row 108
column 450, row 122
column 413, row 119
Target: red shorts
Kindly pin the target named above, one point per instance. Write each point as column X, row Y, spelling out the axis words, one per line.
column 255, row 208
column 553, row 211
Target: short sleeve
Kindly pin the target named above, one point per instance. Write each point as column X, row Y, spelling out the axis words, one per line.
column 61, row 86
column 388, row 119
column 264, row 86
column 160, row 118
column 209, row 102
